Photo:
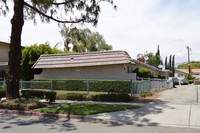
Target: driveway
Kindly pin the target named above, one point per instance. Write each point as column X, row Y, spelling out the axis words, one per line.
column 181, row 95
column 176, row 107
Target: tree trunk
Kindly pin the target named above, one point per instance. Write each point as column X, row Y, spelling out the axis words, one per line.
column 17, row 22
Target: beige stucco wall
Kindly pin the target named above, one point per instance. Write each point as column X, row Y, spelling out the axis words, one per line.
column 112, row 72
column 4, row 49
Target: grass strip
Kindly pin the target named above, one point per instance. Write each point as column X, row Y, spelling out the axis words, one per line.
column 84, row 109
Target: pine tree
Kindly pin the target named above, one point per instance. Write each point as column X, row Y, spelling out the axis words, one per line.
column 173, row 67
column 158, row 57
column 170, row 62
column 166, row 64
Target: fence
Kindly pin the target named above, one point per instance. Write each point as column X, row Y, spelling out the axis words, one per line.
column 152, row 84
column 133, row 87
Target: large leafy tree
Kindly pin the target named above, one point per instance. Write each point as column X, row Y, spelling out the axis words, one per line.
column 61, row 11
column 150, row 58
column 30, row 54
column 83, row 40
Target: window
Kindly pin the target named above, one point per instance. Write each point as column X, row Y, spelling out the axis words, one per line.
column 129, row 69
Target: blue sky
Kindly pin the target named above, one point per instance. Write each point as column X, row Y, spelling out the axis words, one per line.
column 136, row 27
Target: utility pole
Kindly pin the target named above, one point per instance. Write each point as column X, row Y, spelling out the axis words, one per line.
column 189, row 68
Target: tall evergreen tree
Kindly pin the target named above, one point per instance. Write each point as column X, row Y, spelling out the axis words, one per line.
column 166, row 63
column 170, row 62
column 158, row 57
column 173, row 65
column 61, row 11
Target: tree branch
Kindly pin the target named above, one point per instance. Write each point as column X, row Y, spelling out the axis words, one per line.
column 61, row 3
column 52, row 18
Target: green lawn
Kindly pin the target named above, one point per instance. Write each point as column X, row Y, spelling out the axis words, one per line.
column 84, row 109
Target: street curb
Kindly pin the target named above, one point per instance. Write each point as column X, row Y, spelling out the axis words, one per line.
column 50, row 115
column 63, row 116
column 112, row 122
column 85, row 118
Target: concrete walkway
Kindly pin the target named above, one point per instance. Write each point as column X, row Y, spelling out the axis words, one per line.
column 176, row 107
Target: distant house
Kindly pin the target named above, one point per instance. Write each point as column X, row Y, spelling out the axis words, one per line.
column 152, row 69
column 181, row 73
column 196, row 73
column 4, row 50
column 111, row 65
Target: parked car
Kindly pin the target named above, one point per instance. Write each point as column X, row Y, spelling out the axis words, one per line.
column 174, row 80
column 184, row 82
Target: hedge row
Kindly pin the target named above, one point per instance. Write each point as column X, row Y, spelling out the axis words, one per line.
column 48, row 95
column 81, row 85
column 98, row 97
column 112, row 98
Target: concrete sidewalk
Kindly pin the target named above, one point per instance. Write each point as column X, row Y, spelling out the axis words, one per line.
column 155, row 115
column 176, row 107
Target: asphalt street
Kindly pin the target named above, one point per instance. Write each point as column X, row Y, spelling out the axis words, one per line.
column 174, row 111
column 21, row 124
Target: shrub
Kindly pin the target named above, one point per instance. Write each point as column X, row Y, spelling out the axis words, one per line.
column 189, row 77
column 191, row 81
column 161, row 76
column 26, row 93
column 142, row 72
column 21, row 104
column 74, row 96
column 32, row 94
column 146, row 93
column 50, row 96
column 2, row 93
column 112, row 97
column 2, row 86
column 37, row 94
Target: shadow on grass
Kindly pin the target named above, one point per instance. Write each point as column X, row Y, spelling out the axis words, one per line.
column 135, row 117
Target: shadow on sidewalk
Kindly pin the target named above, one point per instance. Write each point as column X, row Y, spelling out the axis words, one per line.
column 50, row 123
column 136, row 117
